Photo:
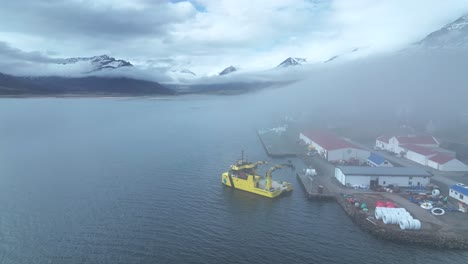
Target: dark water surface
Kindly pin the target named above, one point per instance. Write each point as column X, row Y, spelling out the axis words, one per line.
column 138, row 181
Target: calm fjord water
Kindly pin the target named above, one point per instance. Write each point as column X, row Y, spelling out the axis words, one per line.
column 138, row 181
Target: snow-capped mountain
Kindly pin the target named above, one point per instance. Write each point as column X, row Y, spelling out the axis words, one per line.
column 228, row 70
column 97, row 63
column 291, row 62
column 452, row 35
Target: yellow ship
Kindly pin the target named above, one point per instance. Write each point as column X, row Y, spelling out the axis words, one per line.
column 243, row 176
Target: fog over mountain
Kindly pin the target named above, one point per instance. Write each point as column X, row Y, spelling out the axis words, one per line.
column 378, row 92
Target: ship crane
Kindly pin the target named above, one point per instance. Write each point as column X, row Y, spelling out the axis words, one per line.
column 272, row 169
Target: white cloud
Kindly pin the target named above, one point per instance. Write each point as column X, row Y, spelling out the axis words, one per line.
column 250, row 34
column 260, row 34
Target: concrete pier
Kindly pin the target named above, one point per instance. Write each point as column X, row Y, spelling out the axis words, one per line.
column 311, row 184
column 279, row 145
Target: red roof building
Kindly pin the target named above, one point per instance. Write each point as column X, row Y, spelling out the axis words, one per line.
column 384, row 138
column 420, row 150
column 329, row 141
column 334, row 148
column 444, row 162
column 424, row 150
column 417, row 140
column 441, row 158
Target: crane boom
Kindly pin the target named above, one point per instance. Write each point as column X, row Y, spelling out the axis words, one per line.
column 243, row 165
column 272, row 169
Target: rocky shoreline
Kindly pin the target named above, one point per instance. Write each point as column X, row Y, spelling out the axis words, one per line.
column 421, row 238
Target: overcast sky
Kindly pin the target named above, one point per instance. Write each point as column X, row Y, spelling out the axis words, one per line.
column 206, row 36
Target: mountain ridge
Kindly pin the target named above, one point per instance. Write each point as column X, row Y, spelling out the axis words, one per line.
column 452, row 35
column 227, row 70
column 89, row 85
column 98, row 63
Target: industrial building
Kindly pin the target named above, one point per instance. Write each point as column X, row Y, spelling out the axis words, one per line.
column 334, row 148
column 424, row 150
column 375, row 160
column 383, row 176
column 417, row 153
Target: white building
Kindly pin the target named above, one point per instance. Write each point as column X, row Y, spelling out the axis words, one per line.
column 394, row 143
column 382, row 142
column 459, row 191
column 333, row 148
column 444, row 162
column 383, row 176
column 424, row 150
column 417, row 153
column 433, row 158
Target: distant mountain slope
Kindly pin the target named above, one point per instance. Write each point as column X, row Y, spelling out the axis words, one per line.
column 452, row 35
column 342, row 55
column 228, row 70
column 92, row 85
column 12, row 85
column 231, row 88
column 291, row 62
column 102, row 85
column 98, row 63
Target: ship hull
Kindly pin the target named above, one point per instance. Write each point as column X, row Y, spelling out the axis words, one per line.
column 249, row 185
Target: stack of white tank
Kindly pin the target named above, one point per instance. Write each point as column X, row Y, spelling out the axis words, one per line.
column 397, row 216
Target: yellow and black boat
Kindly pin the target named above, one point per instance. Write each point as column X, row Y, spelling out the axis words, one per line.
column 243, row 176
